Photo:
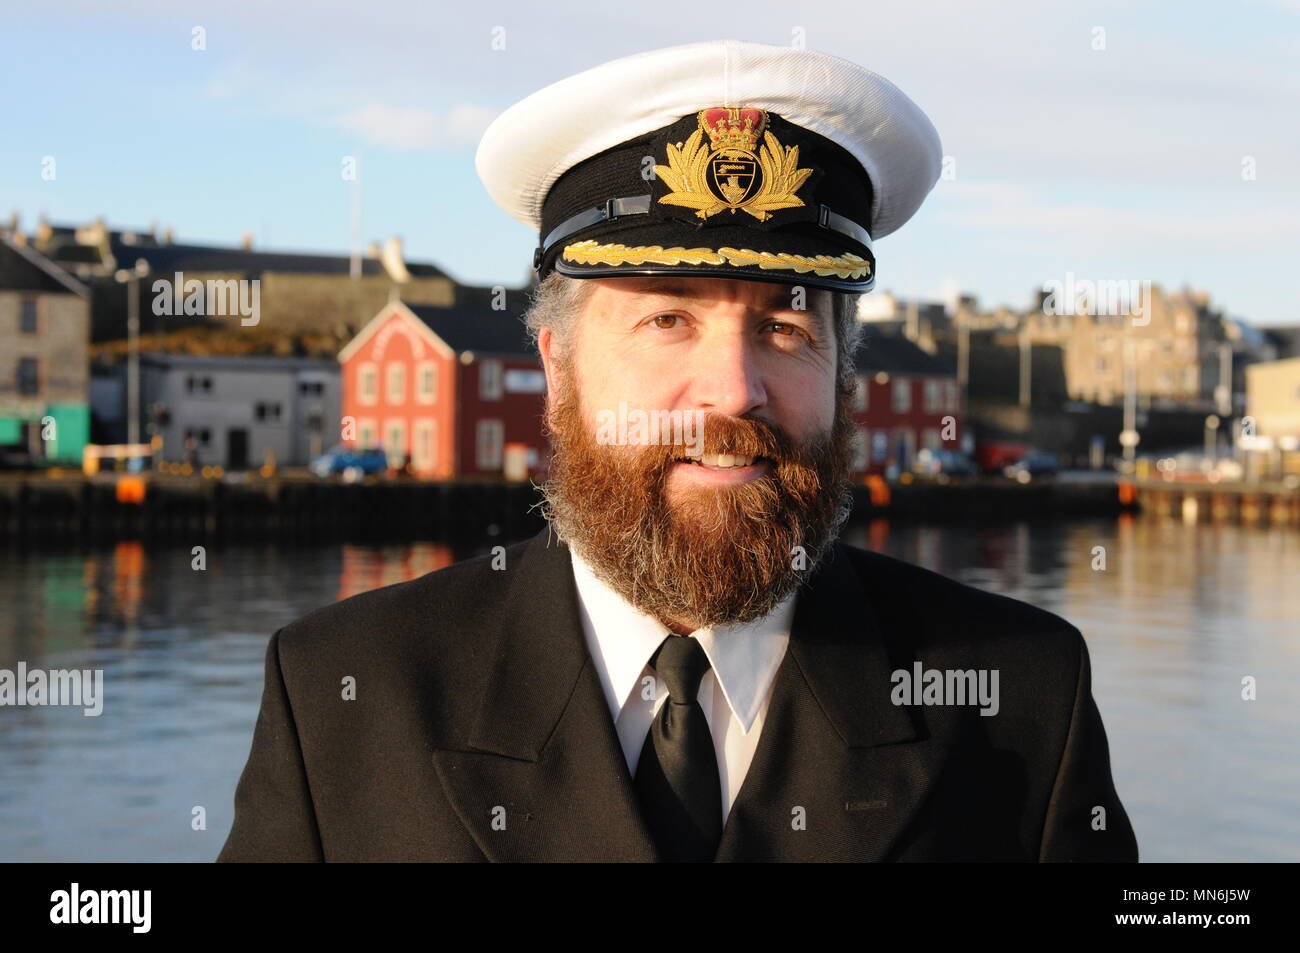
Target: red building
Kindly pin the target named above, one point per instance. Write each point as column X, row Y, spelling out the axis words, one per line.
column 454, row 392
column 907, row 401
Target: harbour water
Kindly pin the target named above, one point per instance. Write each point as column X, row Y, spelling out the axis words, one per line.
column 1177, row 617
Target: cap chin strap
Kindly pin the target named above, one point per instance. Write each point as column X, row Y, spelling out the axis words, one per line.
column 640, row 205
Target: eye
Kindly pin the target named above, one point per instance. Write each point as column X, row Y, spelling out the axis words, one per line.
column 787, row 330
column 666, row 322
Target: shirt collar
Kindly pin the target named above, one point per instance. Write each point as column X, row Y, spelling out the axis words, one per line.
column 621, row 639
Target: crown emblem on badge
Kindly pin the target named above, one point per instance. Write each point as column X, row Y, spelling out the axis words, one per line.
column 733, row 128
column 733, row 172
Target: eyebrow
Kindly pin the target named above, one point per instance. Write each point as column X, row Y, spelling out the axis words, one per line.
column 676, row 288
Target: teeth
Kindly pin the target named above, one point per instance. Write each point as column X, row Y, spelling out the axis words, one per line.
column 724, row 461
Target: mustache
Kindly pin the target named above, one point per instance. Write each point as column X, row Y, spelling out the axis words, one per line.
column 738, row 436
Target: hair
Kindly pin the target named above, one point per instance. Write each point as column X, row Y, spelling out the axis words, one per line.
column 558, row 300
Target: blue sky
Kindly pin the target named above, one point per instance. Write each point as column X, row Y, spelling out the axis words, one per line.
column 1116, row 163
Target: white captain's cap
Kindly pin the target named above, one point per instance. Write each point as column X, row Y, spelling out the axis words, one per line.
column 725, row 159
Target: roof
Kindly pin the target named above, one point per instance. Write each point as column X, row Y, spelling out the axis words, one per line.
column 471, row 324
column 241, row 362
column 25, row 269
column 200, row 258
column 895, row 354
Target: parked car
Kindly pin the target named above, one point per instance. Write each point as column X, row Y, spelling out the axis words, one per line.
column 938, row 464
column 1036, row 463
column 350, row 462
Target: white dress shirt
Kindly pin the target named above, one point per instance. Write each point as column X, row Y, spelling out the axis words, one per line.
column 743, row 660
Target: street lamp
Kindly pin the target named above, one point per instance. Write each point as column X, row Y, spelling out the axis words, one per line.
column 1129, row 438
column 131, row 277
column 1211, row 438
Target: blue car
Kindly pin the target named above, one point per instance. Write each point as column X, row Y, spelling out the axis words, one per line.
column 1036, row 463
column 352, row 463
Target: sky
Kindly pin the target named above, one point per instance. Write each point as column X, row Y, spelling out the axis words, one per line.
column 1113, row 141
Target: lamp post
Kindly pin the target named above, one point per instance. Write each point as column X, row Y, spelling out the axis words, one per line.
column 1211, row 438
column 132, row 276
column 1129, row 437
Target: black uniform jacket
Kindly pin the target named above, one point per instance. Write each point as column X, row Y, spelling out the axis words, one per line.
column 479, row 730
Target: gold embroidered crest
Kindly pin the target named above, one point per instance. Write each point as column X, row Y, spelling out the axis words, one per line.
column 728, row 173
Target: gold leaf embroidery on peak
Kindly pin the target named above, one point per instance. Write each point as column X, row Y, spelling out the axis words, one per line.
column 591, row 252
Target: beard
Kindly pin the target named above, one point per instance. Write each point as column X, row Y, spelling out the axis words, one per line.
column 703, row 555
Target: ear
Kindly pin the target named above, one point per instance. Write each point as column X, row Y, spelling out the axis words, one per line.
column 545, row 342
column 546, row 345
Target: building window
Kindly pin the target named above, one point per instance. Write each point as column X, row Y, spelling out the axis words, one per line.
column 368, row 383
column 29, row 377
column 951, row 388
column 198, row 384
column 933, row 396
column 396, row 383
column 267, row 412
column 490, row 438
column 902, row 395
column 489, row 380
column 311, row 388
column 861, row 442
column 395, row 442
column 904, row 446
column 367, row 434
column 861, row 394
column 27, row 322
column 879, row 446
column 423, row 450
column 426, row 378
column 931, row 440
column 1103, row 365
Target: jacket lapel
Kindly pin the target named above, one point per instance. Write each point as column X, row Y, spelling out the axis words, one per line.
column 546, row 778
column 839, row 771
column 838, row 775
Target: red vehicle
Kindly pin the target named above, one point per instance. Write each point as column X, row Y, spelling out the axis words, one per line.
column 992, row 457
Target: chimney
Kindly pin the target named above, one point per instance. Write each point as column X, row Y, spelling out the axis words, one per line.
column 246, row 241
column 392, row 260
column 372, row 250
column 169, row 235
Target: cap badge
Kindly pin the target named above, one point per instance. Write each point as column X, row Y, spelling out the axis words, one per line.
column 732, row 171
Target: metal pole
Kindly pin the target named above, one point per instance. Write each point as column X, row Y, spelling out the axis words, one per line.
column 1025, row 355
column 963, row 362
column 1130, row 403
column 1225, row 380
column 133, row 359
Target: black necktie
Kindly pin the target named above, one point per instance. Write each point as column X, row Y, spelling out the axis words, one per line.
column 677, row 775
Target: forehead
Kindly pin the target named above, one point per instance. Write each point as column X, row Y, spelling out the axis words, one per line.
column 707, row 291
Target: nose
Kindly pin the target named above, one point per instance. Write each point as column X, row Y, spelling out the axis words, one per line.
column 725, row 376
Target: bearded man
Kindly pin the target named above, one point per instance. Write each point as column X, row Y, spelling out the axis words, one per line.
column 687, row 665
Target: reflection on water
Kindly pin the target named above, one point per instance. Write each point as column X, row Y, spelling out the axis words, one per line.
column 1179, row 614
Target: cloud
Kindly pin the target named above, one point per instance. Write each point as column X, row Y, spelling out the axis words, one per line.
column 398, row 127
column 1016, row 208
